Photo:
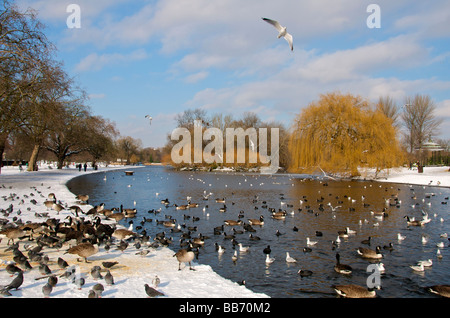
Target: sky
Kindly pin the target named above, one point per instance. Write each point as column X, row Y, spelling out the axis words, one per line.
column 159, row 58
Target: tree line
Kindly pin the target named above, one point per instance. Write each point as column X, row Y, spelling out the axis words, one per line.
column 42, row 109
column 337, row 134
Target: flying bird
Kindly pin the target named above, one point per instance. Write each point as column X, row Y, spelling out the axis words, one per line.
column 282, row 32
column 149, row 118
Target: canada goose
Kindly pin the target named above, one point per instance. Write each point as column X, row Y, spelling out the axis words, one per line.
column 279, row 215
column 342, row 268
column 57, row 207
column 259, row 221
column 441, row 290
column 223, row 209
column 12, row 234
column 129, row 213
column 123, row 234
column 169, row 223
column 116, row 216
column 198, row 241
column 49, row 204
column 290, row 259
column 232, row 222
column 413, row 222
column 192, row 205
column 181, row 207
column 354, row 291
column 83, row 250
column 82, row 198
column 185, row 256
column 389, row 247
column 220, row 200
column 366, row 241
column 368, row 253
column 228, row 236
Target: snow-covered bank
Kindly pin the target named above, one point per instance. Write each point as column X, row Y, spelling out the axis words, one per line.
column 432, row 176
column 130, row 274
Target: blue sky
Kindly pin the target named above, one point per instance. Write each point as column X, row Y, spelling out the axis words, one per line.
column 138, row 57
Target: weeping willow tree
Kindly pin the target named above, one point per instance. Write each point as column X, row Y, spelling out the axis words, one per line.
column 340, row 134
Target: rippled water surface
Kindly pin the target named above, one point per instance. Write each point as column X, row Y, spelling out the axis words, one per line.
column 306, row 202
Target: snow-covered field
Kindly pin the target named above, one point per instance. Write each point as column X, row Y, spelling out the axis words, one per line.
column 433, row 176
column 130, row 274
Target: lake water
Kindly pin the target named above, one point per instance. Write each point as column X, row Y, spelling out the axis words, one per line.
column 246, row 192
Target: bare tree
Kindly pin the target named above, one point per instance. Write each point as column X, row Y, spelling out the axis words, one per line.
column 419, row 120
column 387, row 106
column 23, row 51
column 68, row 134
column 101, row 135
column 41, row 107
column 128, row 146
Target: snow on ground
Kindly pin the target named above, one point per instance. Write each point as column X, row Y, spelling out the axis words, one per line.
column 433, row 176
column 131, row 272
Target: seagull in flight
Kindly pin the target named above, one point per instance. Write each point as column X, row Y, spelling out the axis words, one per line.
column 149, row 118
column 282, row 32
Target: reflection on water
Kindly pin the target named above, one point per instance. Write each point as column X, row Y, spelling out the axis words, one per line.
column 306, row 202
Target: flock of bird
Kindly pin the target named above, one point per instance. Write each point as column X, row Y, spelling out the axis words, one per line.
column 81, row 234
column 372, row 254
column 87, row 231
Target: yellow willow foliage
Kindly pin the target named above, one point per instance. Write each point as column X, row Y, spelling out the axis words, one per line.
column 341, row 133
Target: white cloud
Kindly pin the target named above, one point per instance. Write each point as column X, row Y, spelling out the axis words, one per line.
column 95, row 62
column 197, row 77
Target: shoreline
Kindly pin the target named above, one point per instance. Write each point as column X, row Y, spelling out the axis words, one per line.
column 132, row 272
column 432, row 176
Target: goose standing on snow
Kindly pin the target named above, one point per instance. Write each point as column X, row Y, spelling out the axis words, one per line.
column 282, row 32
column 185, row 256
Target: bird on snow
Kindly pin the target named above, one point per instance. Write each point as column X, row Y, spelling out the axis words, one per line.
column 282, row 32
